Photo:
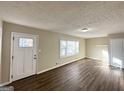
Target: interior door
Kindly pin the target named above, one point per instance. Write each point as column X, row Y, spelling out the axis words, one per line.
column 24, row 55
column 117, row 52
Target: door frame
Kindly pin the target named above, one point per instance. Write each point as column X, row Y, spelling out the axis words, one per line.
column 11, row 53
column 1, row 37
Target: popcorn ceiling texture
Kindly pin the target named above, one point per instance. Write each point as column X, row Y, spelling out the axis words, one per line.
column 102, row 18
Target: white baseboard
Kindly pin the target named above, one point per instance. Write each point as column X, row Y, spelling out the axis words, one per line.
column 3, row 84
column 94, row 58
column 57, row 66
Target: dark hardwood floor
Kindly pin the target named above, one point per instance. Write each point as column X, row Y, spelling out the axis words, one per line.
column 82, row 75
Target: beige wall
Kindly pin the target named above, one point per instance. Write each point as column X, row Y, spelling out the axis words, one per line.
column 97, row 48
column 48, row 44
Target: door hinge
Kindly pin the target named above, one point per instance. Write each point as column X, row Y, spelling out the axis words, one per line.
column 13, row 38
column 11, row 76
column 12, row 57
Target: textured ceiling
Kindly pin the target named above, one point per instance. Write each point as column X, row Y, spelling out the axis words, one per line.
column 102, row 18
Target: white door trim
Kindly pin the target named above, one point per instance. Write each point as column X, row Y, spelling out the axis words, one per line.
column 1, row 35
column 11, row 53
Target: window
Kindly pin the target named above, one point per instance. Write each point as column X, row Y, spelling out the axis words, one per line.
column 63, row 48
column 25, row 42
column 77, row 47
column 68, row 48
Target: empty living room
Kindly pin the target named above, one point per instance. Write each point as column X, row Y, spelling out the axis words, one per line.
column 61, row 46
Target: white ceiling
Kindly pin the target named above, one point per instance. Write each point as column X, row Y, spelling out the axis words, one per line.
column 102, row 18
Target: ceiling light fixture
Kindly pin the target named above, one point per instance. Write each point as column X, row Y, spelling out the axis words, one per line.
column 84, row 30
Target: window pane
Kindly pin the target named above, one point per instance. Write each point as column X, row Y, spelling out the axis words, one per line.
column 25, row 42
column 63, row 44
column 70, row 47
column 63, row 52
column 77, row 47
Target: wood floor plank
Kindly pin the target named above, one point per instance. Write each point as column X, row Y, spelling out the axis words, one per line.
column 85, row 74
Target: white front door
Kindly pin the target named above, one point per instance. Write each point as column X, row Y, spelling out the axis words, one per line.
column 24, row 55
